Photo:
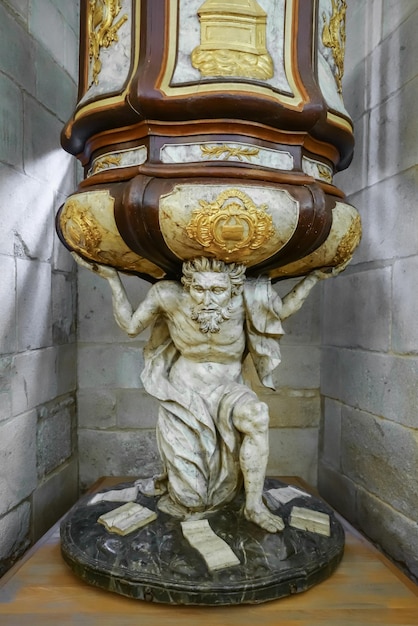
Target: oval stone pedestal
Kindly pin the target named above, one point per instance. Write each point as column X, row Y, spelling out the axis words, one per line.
column 156, row 563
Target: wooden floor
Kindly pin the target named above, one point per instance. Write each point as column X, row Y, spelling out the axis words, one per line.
column 366, row 589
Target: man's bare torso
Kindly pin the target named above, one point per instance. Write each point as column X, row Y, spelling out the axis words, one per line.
column 212, row 355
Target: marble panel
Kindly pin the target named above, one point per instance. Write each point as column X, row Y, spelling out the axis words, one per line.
column 231, row 152
column 179, row 207
column 115, row 160
column 115, row 59
column 326, row 60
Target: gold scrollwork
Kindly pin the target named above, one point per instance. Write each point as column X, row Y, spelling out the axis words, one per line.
column 79, row 230
column 106, row 162
column 334, row 36
column 232, row 223
column 102, row 30
column 227, row 152
column 349, row 242
column 324, row 173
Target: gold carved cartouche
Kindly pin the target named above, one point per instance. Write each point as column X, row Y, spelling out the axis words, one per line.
column 232, row 223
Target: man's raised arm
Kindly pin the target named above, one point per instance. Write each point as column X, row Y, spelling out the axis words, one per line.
column 131, row 322
column 293, row 301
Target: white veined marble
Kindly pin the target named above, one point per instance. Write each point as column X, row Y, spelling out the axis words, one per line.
column 114, row 160
column 317, row 169
column 115, row 60
column 192, row 153
column 326, row 65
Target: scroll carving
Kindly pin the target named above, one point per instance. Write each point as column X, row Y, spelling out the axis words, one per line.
column 102, row 30
column 333, row 37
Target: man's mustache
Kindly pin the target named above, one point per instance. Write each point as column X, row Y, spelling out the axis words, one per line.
column 210, row 317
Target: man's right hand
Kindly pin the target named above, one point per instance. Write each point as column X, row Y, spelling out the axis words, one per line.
column 102, row 270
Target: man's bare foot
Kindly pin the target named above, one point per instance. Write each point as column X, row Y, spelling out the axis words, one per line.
column 264, row 518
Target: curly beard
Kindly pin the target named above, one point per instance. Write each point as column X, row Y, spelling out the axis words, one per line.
column 209, row 320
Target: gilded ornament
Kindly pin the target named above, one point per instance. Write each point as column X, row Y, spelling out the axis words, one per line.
column 100, row 243
column 233, row 40
column 102, row 30
column 106, row 162
column 79, row 230
column 348, row 243
column 324, row 173
column 226, row 152
column 233, row 222
column 334, row 36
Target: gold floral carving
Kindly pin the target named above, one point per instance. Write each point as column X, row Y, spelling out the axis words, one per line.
column 106, row 162
column 233, row 40
column 102, row 30
column 349, row 242
column 324, row 173
column 227, row 152
column 232, row 223
column 333, row 37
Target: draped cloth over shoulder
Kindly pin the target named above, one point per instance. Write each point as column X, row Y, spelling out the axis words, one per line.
column 263, row 327
column 198, row 442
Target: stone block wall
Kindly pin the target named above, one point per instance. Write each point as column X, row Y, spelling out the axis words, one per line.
column 117, row 417
column 369, row 376
column 38, row 461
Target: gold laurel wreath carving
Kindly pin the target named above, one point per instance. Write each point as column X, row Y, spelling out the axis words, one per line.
column 228, row 152
column 106, row 162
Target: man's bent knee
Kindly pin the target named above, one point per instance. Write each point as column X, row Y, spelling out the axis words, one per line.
column 251, row 417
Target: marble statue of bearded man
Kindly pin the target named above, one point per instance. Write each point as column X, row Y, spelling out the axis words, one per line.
column 212, row 429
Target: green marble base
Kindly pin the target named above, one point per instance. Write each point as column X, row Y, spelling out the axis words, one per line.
column 156, row 563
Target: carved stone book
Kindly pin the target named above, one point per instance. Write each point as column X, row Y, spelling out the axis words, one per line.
column 127, row 518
